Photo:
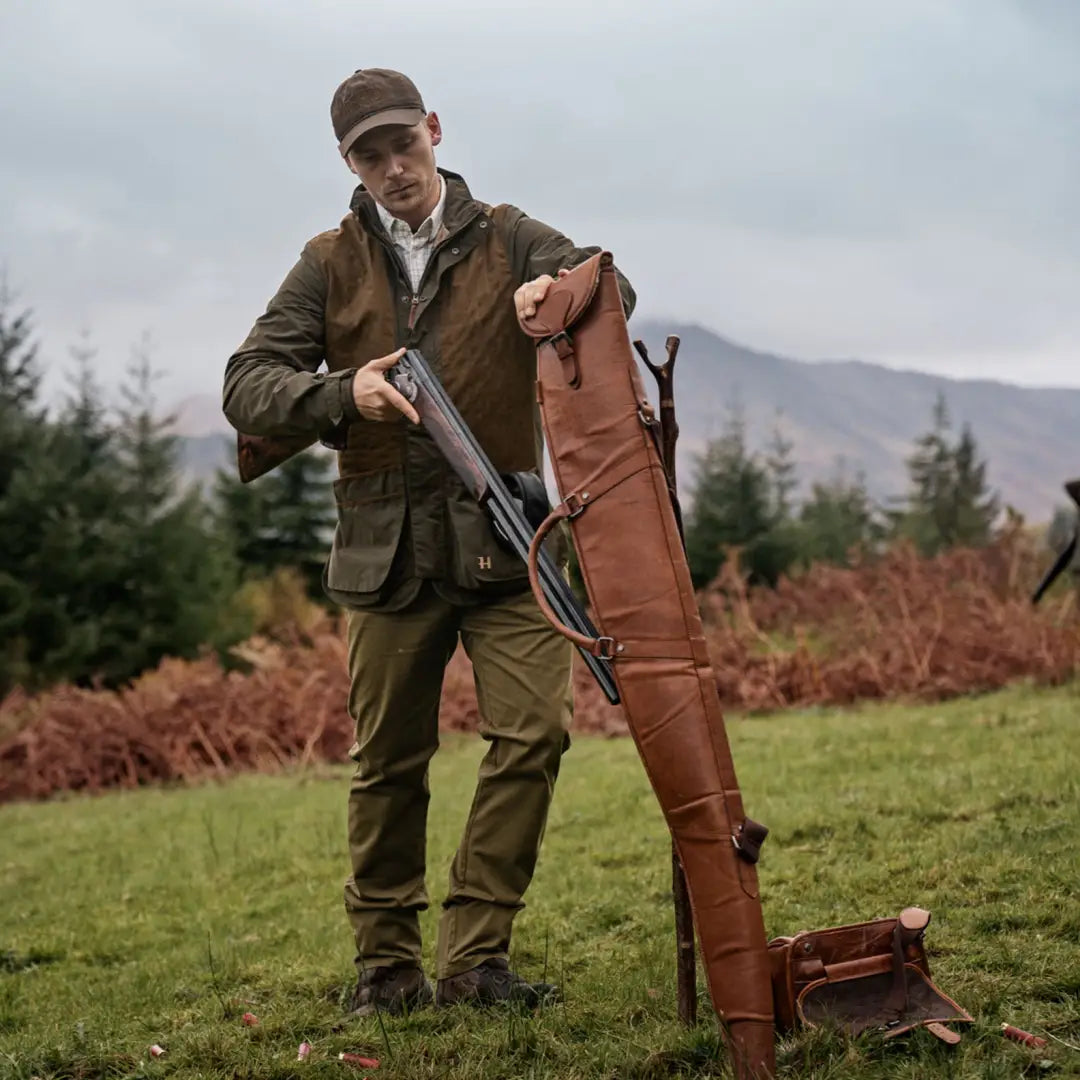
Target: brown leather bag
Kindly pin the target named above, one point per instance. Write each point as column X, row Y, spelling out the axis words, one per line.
column 602, row 441
column 869, row 976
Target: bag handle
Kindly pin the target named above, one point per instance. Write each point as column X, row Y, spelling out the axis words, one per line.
column 602, row 647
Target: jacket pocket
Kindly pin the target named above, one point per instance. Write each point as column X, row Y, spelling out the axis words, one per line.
column 371, row 512
column 478, row 557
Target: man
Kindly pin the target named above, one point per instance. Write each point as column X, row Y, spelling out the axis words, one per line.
column 419, row 263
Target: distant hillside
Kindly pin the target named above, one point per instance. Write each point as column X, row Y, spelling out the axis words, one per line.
column 864, row 414
column 202, row 454
column 869, row 416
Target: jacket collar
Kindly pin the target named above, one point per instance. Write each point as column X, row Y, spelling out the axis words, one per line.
column 460, row 207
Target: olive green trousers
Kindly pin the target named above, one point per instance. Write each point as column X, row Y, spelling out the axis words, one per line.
column 522, row 672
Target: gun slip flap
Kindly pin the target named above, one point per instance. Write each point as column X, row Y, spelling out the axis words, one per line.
column 602, row 435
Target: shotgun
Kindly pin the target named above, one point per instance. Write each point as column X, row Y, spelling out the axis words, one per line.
column 516, row 503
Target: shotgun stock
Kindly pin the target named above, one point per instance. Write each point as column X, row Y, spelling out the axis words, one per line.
column 256, row 455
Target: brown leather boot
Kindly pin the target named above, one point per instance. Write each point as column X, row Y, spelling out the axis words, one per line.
column 493, row 983
column 391, row 989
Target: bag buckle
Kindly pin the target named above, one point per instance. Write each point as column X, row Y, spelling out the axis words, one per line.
column 606, row 648
column 575, row 504
column 647, row 416
column 562, row 343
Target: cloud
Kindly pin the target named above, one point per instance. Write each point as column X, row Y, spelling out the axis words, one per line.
column 893, row 181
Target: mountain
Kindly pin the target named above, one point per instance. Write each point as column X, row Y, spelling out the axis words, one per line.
column 862, row 414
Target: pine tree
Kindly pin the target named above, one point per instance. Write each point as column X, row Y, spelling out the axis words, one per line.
column 175, row 574
column 21, row 439
column 104, row 567
column 837, row 519
column 20, row 413
column 781, row 468
column 19, row 375
column 284, row 519
column 242, row 517
column 930, row 472
column 732, row 504
column 975, row 506
column 71, row 495
column 63, row 506
column 948, row 502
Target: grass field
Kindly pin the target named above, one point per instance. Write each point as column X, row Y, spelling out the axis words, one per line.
column 161, row 916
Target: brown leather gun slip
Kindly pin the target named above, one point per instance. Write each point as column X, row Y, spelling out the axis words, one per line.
column 602, row 440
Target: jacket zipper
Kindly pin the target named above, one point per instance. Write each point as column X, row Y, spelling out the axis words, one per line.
column 415, row 294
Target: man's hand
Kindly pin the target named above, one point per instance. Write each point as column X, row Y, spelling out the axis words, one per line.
column 375, row 398
column 531, row 293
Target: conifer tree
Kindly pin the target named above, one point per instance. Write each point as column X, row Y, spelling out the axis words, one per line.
column 732, row 503
column 70, row 493
column 283, row 519
column 948, row 502
column 20, row 377
column 975, row 506
column 781, row 469
column 21, row 420
column 105, row 566
column 175, row 573
column 837, row 519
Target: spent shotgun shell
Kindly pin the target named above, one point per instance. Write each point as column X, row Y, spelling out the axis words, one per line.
column 359, row 1059
column 1021, row 1036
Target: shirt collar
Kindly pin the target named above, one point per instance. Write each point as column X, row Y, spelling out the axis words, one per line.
column 429, row 227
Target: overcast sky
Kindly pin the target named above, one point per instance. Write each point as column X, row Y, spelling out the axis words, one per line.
column 893, row 180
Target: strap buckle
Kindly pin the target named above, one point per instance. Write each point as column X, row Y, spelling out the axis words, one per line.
column 607, row 648
column 647, row 416
column 562, row 343
column 575, row 504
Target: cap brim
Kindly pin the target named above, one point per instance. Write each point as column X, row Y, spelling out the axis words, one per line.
column 407, row 117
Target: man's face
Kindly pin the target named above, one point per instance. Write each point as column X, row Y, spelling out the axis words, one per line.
column 397, row 165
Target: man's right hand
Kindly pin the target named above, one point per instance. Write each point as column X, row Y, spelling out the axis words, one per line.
column 375, row 398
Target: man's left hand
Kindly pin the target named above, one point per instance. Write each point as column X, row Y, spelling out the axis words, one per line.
column 531, row 293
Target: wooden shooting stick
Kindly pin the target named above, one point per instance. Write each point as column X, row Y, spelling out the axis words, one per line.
column 684, row 918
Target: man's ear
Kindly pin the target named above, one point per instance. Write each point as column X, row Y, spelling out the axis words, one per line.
column 431, row 121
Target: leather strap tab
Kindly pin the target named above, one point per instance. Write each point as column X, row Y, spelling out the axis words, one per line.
column 576, row 502
column 748, row 839
column 910, row 927
column 946, row 1035
column 563, row 344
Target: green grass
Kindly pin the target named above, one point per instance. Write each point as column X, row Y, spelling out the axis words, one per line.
column 160, row 916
